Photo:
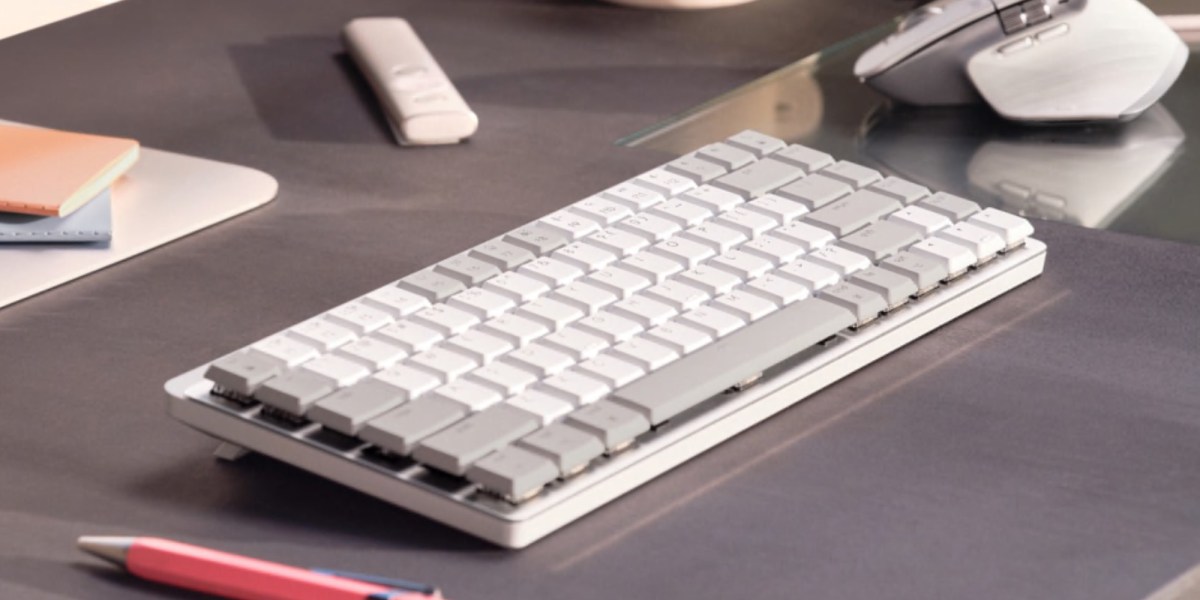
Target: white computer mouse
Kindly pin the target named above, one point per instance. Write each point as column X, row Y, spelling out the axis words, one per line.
column 1032, row 60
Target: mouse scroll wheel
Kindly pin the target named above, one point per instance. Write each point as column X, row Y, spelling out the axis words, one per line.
column 918, row 16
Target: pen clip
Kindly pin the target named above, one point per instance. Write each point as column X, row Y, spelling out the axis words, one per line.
column 397, row 585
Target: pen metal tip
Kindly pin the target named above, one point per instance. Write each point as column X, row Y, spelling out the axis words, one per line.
column 110, row 548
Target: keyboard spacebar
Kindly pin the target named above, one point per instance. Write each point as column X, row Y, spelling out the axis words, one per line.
column 743, row 354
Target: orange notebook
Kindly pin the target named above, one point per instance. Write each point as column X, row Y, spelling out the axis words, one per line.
column 53, row 173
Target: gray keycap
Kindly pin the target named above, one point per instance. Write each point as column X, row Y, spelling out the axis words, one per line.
column 925, row 273
column 865, row 304
column 401, row 428
column 900, row 189
column 758, row 346
column 502, row 254
column 894, row 287
column 454, row 449
column 513, row 472
column 853, row 212
column 854, row 174
column 569, row 448
column 295, row 391
column 242, row 372
column 953, row 207
column 805, row 157
column 433, row 286
column 881, row 240
column 349, row 409
column 696, row 169
column 815, row 191
column 759, row 178
column 467, row 269
column 536, row 239
column 614, row 424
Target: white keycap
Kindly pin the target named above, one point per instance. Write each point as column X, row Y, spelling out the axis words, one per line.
column 569, row 223
column 517, row 330
column 715, row 199
column 551, row 271
column 811, row 275
column 716, row 323
column 470, row 394
column 778, row 208
column 839, row 259
column 521, row 288
column 718, row 237
column 747, row 306
column 1011, row 228
column 546, row 407
column 289, row 351
column 411, row 336
column 665, row 182
column 652, row 266
column 900, row 189
column 649, row 226
column 617, row 241
column 633, row 196
column 756, row 143
column 445, row 319
column 587, row 257
column 552, row 313
column 956, row 258
column 443, row 362
column 644, row 310
column 619, row 281
column 577, row 342
column 775, row 249
column 743, row 264
column 376, row 353
column 679, row 336
column 983, row 242
column 482, row 303
column 323, row 333
column 540, row 359
column 577, row 387
column 613, row 327
column 712, row 280
column 341, row 371
column 678, row 294
column 645, row 353
column 803, row 156
column 682, row 212
column 730, row 157
column 585, row 296
column 778, row 289
column 482, row 347
column 611, row 370
column 688, row 253
column 599, row 209
column 695, row 168
column 807, row 236
column 507, row 379
column 396, row 301
column 923, row 220
column 852, row 173
column 750, row 223
column 411, row 381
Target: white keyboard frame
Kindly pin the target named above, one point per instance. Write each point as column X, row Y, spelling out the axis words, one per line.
column 519, row 526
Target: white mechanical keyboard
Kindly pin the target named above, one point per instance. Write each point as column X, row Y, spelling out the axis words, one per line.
column 514, row 387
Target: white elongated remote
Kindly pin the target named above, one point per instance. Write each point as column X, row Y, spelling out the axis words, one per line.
column 420, row 102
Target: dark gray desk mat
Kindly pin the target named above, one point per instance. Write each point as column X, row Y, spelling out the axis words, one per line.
column 1045, row 446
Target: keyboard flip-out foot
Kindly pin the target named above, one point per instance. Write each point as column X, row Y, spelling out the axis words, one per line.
column 230, row 452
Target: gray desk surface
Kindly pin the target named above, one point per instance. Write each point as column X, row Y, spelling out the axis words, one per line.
column 1044, row 446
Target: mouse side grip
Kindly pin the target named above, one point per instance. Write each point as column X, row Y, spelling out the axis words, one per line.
column 936, row 75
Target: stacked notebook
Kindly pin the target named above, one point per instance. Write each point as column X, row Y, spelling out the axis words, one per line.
column 55, row 186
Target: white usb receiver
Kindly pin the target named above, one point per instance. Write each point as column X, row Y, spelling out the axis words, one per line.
column 420, row 102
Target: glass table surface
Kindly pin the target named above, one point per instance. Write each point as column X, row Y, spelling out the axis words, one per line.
column 1136, row 177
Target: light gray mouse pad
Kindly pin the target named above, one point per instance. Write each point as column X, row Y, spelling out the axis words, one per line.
column 92, row 222
column 165, row 196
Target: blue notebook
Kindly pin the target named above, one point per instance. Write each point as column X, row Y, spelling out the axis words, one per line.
column 91, row 223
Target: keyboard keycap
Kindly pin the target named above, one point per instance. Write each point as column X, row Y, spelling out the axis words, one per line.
column 552, row 313
column 815, row 191
column 601, row 210
column 984, row 243
column 729, row 157
column 687, row 252
column 636, row 197
column 447, row 365
column 750, row 223
column 289, row 351
column 851, row 173
column 399, row 429
column 711, row 280
column 551, row 271
column 545, row 406
column 881, row 240
column 295, row 391
column 397, row 301
column 585, row 296
column 1011, row 228
column 570, row 223
column 614, row 424
column 502, row 254
column 745, row 305
column 569, row 448
column 696, row 169
column 348, row 409
column 341, row 371
column 446, row 319
column 802, row 156
column 513, row 472
column 743, row 264
column 652, row 266
column 841, row 260
column 775, row 249
column 679, row 336
column 520, row 288
column 455, row 448
column 611, row 370
column 576, row 342
column 953, row 207
column 721, row 238
column 759, row 178
column 484, row 304
column 411, row 381
column 894, row 287
column 359, row 318
column 956, row 258
column 576, row 387
column 431, row 285
column 649, row 226
column 410, row 336
column 900, row 189
column 503, row 377
column 373, row 352
column 682, row 212
column 616, row 241
column 807, row 236
column 540, row 359
column 707, row 372
column 665, row 182
column 778, row 289
column 865, row 304
column 645, row 353
column 924, row 272
column 812, row 275
column 611, row 326
column 537, row 239
column 755, row 143
column 588, row 257
column 467, row 269
column 717, row 323
column 472, row 395
column 778, row 208
column 715, row 199
column 924, row 221
column 323, row 333
column 853, row 212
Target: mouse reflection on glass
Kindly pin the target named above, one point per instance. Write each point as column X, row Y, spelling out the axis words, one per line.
column 1031, row 60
